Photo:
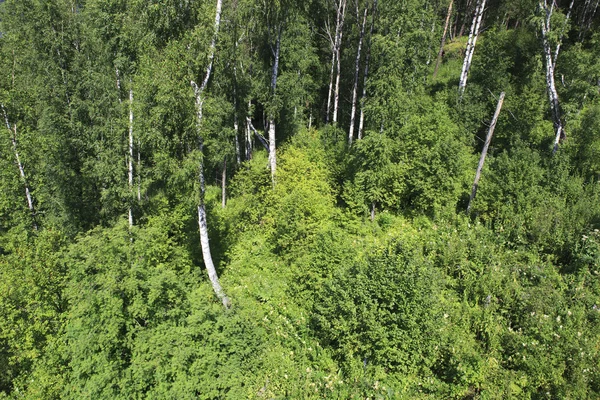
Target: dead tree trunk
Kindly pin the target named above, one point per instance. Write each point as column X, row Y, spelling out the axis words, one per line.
column 363, row 98
column 272, row 146
column 439, row 57
column 471, row 46
column 199, row 96
column 488, row 140
column 12, row 130
column 356, row 71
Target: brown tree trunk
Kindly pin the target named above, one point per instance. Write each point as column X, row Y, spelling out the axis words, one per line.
column 439, row 57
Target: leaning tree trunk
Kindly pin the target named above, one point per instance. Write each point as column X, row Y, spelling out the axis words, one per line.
column 471, row 46
column 356, row 70
column 198, row 94
column 12, row 130
column 488, row 140
column 272, row 146
column 439, row 57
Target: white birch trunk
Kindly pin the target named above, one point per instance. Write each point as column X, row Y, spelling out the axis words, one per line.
column 356, row 70
column 471, row 46
column 488, row 140
column 439, row 57
column 12, row 130
column 248, row 133
column 334, row 47
column 224, row 184
column 130, row 158
column 204, row 242
column 361, row 121
column 550, row 83
column 336, row 92
column 562, row 32
column 272, row 145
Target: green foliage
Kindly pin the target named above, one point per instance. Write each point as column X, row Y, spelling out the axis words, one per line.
column 356, row 272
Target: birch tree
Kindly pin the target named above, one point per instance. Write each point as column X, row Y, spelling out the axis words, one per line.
column 547, row 11
column 356, row 71
column 474, row 33
column 335, row 42
column 12, row 131
column 199, row 97
column 361, row 120
column 274, row 73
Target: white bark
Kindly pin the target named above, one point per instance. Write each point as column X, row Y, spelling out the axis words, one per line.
column 439, row 57
column 272, row 146
column 562, row 32
column 488, row 140
column 341, row 6
column 361, row 121
column 471, row 46
column 224, row 183
column 356, row 70
column 130, row 158
column 204, row 242
column 12, row 130
column 336, row 93
column 248, row 133
column 550, row 83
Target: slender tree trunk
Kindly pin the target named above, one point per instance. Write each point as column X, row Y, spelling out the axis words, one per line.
column 471, row 46
column 361, row 120
column 562, row 32
column 130, row 158
column 138, row 170
column 248, row 133
column 198, row 94
column 12, row 130
column 439, row 57
column 356, row 71
column 236, row 125
column 272, row 146
column 334, row 46
column 224, row 183
column 550, row 84
column 488, row 140
column 336, row 93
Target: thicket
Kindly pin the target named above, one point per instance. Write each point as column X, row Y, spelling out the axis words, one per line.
column 354, row 271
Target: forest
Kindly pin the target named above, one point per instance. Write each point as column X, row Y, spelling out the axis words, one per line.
column 299, row 199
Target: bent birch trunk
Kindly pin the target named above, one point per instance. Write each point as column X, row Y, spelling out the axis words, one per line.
column 204, row 242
